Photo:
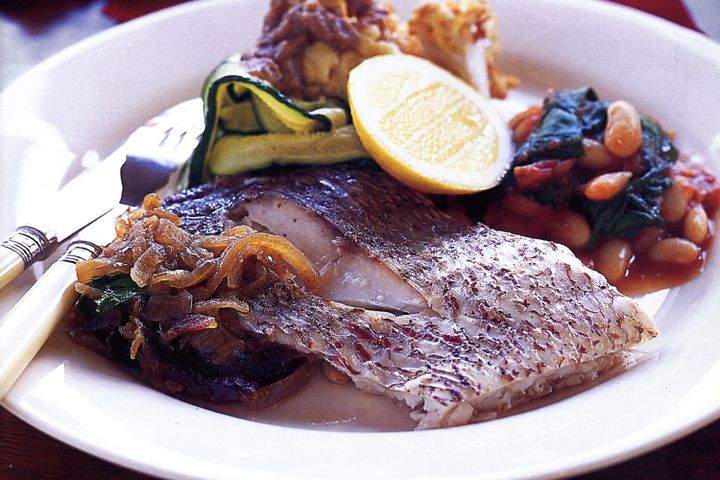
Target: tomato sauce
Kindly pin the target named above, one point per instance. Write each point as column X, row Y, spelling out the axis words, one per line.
column 688, row 210
column 645, row 276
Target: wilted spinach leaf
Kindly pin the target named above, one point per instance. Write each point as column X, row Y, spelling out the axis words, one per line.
column 570, row 100
column 571, row 115
column 568, row 115
column 638, row 205
column 116, row 289
column 558, row 135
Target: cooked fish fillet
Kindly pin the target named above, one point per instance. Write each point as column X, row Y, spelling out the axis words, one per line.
column 492, row 318
column 448, row 371
column 360, row 228
column 352, row 222
column 378, row 244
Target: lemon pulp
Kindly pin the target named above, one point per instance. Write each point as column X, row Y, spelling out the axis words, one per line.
column 426, row 127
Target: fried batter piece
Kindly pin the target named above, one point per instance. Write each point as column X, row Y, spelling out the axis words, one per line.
column 450, row 31
column 308, row 47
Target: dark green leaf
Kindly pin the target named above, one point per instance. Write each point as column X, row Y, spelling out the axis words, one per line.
column 593, row 117
column 571, row 100
column 116, row 290
column 557, row 136
column 568, row 115
column 638, row 205
column 658, row 152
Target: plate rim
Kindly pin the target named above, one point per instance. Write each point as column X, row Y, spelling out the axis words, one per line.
column 54, row 429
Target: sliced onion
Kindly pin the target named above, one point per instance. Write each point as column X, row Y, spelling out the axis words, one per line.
column 239, row 231
column 168, row 234
column 193, row 254
column 151, row 201
column 280, row 246
column 138, row 338
column 161, row 308
column 258, row 243
column 215, row 243
column 270, row 395
column 99, row 267
column 183, row 278
column 218, row 345
column 213, row 306
column 192, row 322
column 166, row 216
column 146, row 265
column 88, row 291
column 160, row 255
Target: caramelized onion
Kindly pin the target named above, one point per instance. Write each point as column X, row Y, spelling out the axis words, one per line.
column 99, row 267
column 191, row 322
column 146, row 265
column 270, row 395
column 168, row 234
column 134, row 330
column 192, row 255
column 184, row 278
column 190, row 279
column 217, row 345
column 215, row 243
column 151, row 201
column 238, row 231
column 213, row 306
column 161, row 308
column 258, row 243
column 88, row 291
column 191, row 284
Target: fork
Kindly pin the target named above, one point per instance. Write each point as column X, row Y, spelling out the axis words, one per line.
column 153, row 153
column 145, row 160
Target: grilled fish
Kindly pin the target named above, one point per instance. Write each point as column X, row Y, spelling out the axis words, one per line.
column 481, row 320
column 449, row 372
column 352, row 222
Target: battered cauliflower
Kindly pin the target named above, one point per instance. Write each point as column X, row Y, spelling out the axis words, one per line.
column 452, row 31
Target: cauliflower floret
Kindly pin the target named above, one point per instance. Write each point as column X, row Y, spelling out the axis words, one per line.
column 461, row 36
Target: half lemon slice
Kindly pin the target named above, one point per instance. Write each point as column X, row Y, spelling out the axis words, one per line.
column 426, row 127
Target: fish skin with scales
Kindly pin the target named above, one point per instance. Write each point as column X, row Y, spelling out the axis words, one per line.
column 461, row 322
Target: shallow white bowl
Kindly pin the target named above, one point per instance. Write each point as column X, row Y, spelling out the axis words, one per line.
column 90, row 96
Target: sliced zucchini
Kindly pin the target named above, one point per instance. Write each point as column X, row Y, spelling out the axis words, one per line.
column 267, row 118
column 227, row 93
column 236, row 97
column 338, row 116
column 271, row 122
column 323, row 102
column 291, row 115
column 240, row 118
column 234, row 154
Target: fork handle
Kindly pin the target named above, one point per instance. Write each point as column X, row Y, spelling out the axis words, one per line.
column 28, row 325
column 25, row 246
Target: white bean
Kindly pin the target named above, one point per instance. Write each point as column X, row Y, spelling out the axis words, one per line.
column 613, row 259
column 521, row 205
column 606, row 186
column 695, row 226
column 572, row 230
column 674, row 250
column 674, row 203
column 645, row 239
column 596, row 156
column 623, row 132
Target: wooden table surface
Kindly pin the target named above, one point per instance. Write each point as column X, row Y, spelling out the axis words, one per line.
column 26, row 453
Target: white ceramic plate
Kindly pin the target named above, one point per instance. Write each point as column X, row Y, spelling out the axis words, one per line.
column 92, row 95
